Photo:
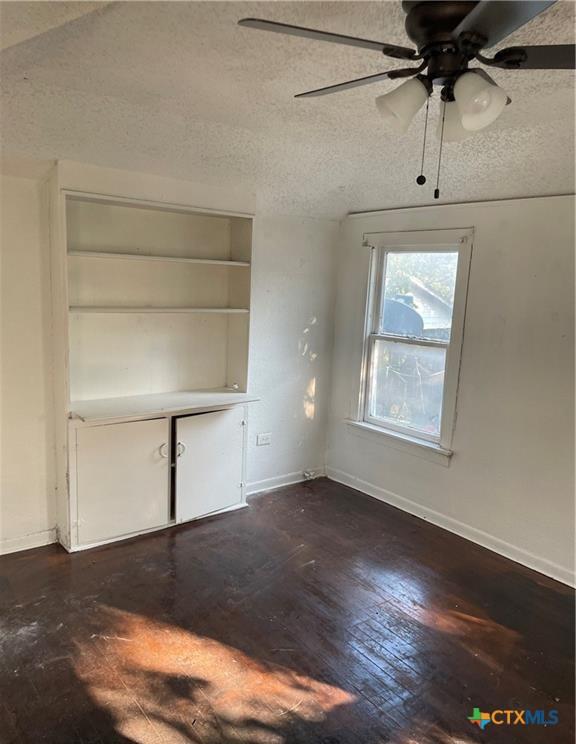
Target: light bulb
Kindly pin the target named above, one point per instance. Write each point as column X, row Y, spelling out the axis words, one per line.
column 479, row 102
column 400, row 106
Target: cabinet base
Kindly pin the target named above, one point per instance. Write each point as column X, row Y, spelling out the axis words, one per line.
column 129, row 536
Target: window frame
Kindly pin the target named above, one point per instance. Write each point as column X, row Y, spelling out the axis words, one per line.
column 422, row 241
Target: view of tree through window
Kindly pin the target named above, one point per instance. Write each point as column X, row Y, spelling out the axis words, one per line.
column 406, row 378
column 423, row 282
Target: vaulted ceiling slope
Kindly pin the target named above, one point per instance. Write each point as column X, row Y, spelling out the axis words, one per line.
column 178, row 89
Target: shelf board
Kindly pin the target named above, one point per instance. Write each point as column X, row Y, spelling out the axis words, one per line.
column 158, row 310
column 143, row 406
column 148, row 257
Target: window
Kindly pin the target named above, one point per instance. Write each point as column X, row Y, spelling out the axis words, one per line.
column 414, row 332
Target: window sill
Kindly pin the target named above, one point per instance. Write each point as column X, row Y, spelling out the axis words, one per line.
column 402, row 442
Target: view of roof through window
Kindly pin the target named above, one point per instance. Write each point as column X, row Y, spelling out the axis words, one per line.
column 419, row 294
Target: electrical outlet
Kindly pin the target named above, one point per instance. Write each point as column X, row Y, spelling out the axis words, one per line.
column 263, row 439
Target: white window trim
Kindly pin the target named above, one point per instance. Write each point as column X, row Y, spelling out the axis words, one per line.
column 381, row 243
column 401, row 442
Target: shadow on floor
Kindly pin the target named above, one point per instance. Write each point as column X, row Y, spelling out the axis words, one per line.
column 318, row 615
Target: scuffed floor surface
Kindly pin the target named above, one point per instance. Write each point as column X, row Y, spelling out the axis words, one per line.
column 317, row 615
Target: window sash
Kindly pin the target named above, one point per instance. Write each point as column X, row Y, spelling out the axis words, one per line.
column 428, row 241
column 385, row 423
column 414, row 340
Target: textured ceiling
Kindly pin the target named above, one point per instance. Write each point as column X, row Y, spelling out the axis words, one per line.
column 22, row 21
column 179, row 89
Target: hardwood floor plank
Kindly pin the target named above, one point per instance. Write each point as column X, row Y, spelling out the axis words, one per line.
column 318, row 615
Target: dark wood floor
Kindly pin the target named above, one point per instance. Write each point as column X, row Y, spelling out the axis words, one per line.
column 317, row 615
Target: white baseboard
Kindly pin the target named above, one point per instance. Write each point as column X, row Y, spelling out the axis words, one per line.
column 269, row 484
column 34, row 540
column 554, row 570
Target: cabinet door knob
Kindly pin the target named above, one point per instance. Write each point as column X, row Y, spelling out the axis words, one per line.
column 163, row 450
column 180, row 449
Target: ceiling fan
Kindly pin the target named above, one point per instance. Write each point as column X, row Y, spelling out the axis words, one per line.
column 448, row 34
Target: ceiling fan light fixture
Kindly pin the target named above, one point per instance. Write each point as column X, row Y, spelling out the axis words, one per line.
column 401, row 105
column 479, row 102
column 453, row 129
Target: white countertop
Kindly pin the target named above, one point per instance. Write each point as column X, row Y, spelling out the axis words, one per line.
column 159, row 404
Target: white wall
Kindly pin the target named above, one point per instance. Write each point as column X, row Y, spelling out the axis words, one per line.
column 291, row 346
column 27, row 506
column 509, row 485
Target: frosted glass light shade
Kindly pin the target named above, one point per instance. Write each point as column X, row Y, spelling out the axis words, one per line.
column 453, row 129
column 399, row 107
column 480, row 103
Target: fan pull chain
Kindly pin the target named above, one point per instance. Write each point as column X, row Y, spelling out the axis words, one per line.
column 421, row 180
column 437, row 189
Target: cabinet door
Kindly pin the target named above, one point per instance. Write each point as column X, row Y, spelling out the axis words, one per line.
column 209, row 465
column 122, row 479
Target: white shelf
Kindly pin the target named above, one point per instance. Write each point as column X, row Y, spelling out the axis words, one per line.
column 147, row 257
column 157, row 310
column 143, row 406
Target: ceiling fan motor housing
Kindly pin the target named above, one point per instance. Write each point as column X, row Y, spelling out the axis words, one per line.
column 429, row 24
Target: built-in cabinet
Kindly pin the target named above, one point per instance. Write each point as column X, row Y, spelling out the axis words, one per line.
column 131, row 477
column 122, row 478
column 151, row 338
column 209, row 462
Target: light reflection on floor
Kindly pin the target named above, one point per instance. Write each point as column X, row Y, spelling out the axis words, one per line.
column 494, row 641
column 217, row 688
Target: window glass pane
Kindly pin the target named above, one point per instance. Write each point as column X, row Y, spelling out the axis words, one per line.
column 406, row 385
column 418, row 295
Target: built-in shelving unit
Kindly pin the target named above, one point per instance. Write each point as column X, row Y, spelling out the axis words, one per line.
column 158, row 298
column 151, row 318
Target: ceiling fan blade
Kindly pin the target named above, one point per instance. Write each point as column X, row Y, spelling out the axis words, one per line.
column 390, row 75
column 391, row 50
column 546, row 57
column 496, row 19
